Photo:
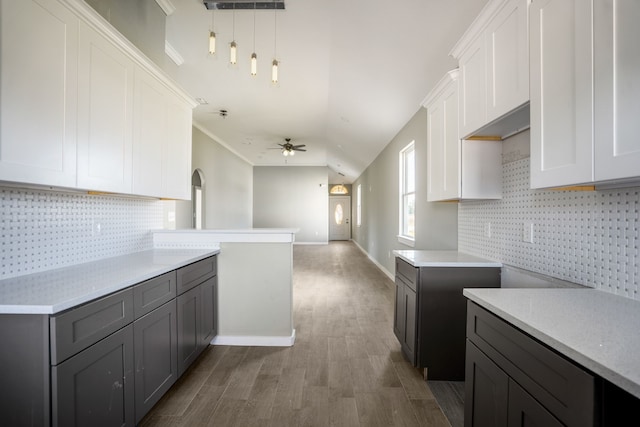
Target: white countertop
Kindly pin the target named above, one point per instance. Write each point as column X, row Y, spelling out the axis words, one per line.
column 52, row 291
column 596, row 329
column 189, row 238
column 443, row 259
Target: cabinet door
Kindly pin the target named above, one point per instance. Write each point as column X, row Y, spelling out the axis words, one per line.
column 525, row 411
column 473, row 88
column 156, row 356
column 189, row 325
column 399, row 312
column 409, row 343
column 177, row 168
column 95, row 387
column 486, row 391
column 508, row 59
column 209, row 291
column 561, row 72
column 617, row 66
column 105, row 95
column 443, row 146
column 150, row 134
column 38, row 92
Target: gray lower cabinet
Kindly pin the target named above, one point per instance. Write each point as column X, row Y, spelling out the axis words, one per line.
column 95, row 387
column 404, row 324
column 106, row 362
column 196, row 321
column 513, row 380
column 156, row 356
column 430, row 315
column 189, row 325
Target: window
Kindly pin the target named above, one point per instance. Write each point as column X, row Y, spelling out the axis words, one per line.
column 359, row 205
column 407, row 201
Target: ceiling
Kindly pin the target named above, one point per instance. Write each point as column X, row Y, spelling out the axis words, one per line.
column 352, row 74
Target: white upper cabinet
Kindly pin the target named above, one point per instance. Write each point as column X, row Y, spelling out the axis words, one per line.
column 162, row 140
column 38, row 92
column 458, row 169
column 82, row 108
column 105, row 114
column 617, row 89
column 507, row 42
column 561, row 93
column 494, row 65
column 584, row 92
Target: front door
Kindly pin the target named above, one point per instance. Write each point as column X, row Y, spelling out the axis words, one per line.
column 339, row 217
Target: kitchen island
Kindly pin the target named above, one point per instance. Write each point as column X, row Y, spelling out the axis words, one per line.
column 255, row 306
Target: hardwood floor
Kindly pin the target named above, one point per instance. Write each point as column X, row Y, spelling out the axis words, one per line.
column 345, row 368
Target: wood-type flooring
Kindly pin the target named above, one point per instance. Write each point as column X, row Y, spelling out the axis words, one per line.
column 345, row 369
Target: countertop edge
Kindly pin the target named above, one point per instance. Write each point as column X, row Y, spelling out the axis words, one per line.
column 51, row 309
column 461, row 264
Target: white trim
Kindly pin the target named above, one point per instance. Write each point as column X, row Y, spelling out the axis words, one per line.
column 167, row 7
column 380, row 266
column 476, row 28
column 440, row 87
column 311, row 243
column 173, row 54
column 407, row 241
column 258, row 341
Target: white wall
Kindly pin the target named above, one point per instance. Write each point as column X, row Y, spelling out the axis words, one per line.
column 292, row 196
column 436, row 223
column 590, row 238
column 228, row 185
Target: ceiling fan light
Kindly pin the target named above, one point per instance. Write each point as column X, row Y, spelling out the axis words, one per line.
column 212, row 42
column 233, row 53
column 285, row 153
column 254, row 64
column 292, row 152
column 274, row 71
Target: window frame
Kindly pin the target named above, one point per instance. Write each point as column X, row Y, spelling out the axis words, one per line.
column 406, row 191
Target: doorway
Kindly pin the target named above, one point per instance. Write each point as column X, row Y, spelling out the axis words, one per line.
column 339, row 217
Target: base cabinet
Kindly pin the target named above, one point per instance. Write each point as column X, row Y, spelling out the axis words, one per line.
column 513, row 380
column 96, row 386
column 156, row 356
column 108, row 361
column 430, row 315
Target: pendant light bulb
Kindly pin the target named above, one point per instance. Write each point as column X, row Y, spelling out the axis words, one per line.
column 291, row 153
column 254, row 64
column 212, row 42
column 285, row 153
column 233, row 53
column 274, row 71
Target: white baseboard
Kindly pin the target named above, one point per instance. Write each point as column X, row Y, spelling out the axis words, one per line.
column 255, row 341
column 310, row 243
column 380, row 266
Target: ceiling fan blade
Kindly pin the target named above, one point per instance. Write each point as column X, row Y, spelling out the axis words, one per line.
column 298, row 146
column 300, row 149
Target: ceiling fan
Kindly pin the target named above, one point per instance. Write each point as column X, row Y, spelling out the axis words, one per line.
column 288, row 149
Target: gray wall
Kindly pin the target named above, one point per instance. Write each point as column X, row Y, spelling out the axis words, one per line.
column 292, row 196
column 142, row 22
column 436, row 223
column 228, row 185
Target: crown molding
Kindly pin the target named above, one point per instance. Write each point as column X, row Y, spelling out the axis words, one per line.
column 173, row 53
column 167, row 7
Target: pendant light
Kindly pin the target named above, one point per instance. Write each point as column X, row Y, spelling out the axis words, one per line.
column 233, row 47
column 254, row 57
column 212, row 35
column 274, row 64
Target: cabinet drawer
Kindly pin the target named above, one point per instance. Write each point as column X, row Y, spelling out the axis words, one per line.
column 78, row 328
column 407, row 272
column 149, row 295
column 563, row 388
column 196, row 273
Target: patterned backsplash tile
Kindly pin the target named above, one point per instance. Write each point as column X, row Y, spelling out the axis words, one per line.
column 590, row 238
